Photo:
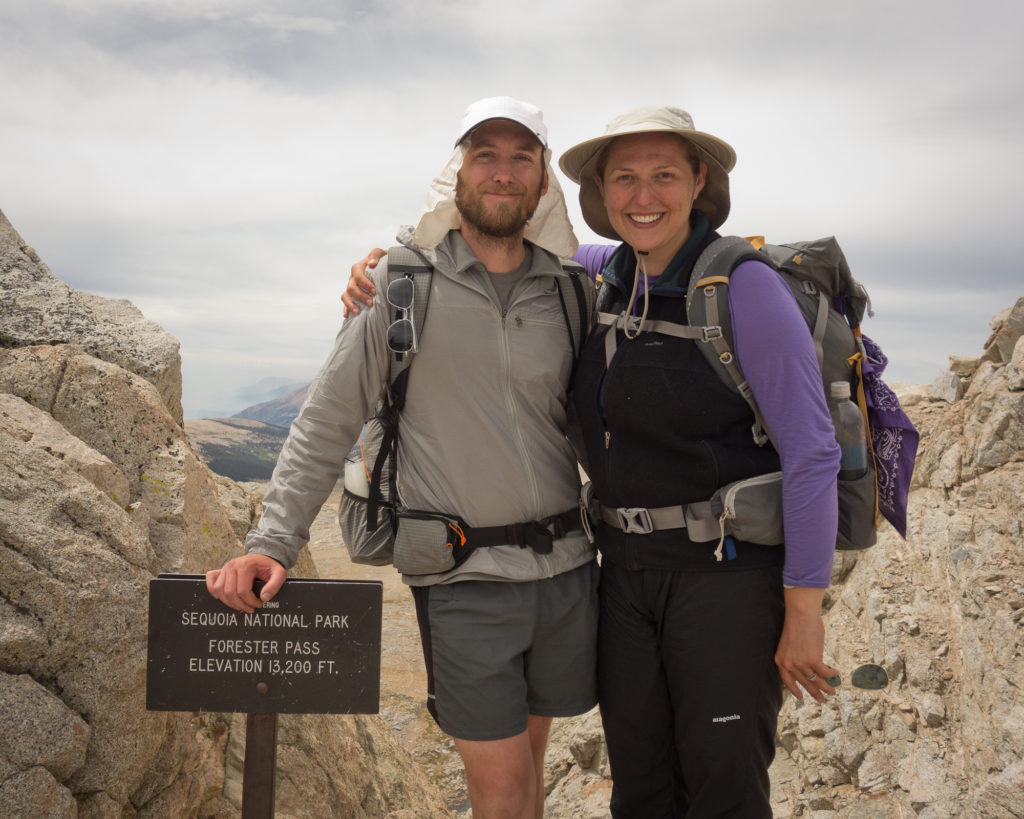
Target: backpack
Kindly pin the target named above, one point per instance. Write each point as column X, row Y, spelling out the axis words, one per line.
column 368, row 509
column 833, row 304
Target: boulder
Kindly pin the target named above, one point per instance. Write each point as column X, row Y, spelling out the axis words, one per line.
column 1007, row 327
column 948, row 387
column 36, row 308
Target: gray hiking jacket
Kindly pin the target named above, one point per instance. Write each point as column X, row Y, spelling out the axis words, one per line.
column 482, row 435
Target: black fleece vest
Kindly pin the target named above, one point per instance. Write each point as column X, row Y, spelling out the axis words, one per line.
column 660, row 428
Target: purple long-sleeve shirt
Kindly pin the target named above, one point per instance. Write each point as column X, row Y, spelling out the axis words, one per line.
column 778, row 360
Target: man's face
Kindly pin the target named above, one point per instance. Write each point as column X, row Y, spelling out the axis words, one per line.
column 501, row 180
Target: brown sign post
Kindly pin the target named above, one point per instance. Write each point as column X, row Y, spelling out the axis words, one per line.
column 313, row 649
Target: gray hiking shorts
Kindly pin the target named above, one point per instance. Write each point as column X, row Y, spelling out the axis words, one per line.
column 496, row 652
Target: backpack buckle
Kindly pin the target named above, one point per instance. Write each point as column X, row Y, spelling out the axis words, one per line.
column 586, row 498
column 712, row 333
column 634, row 520
column 538, row 537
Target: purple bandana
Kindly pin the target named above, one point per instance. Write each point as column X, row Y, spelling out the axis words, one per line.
column 893, row 439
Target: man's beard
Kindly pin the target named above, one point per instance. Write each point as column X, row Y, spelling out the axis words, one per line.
column 502, row 222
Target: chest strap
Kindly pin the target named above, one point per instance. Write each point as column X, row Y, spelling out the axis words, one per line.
column 632, row 325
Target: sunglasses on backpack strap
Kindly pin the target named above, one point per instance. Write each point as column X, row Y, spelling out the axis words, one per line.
column 402, row 332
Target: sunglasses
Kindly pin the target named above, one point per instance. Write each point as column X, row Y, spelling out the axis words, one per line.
column 401, row 295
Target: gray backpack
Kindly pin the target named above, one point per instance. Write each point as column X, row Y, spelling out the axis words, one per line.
column 369, row 506
column 832, row 303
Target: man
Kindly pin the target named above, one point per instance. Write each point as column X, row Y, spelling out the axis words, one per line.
column 509, row 634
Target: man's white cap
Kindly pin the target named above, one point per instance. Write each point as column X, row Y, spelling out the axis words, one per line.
column 529, row 116
column 549, row 228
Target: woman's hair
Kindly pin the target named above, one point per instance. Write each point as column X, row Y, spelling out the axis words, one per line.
column 693, row 154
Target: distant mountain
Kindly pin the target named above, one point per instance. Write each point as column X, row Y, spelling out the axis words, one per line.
column 266, row 389
column 280, row 411
column 245, row 446
column 238, row 448
column 227, row 402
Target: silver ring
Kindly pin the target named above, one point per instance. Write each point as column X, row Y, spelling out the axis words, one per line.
column 812, row 677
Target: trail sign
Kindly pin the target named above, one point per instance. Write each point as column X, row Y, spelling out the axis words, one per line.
column 313, row 649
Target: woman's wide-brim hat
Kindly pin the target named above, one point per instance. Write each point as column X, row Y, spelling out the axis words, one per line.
column 579, row 163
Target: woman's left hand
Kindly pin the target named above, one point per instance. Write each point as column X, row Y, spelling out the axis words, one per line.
column 802, row 645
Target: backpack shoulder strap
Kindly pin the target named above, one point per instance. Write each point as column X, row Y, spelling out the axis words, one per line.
column 707, row 307
column 404, row 261
column 577, row 302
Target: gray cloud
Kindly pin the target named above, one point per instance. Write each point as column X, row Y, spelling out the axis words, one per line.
column 222, row 164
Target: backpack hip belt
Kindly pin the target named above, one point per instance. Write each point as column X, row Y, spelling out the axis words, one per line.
column 748, row 509
column 698, row 518
column 538, row 535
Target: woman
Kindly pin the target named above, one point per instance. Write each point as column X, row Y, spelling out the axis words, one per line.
column 688, row 688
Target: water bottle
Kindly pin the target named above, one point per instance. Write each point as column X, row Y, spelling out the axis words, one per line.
column 850, row 433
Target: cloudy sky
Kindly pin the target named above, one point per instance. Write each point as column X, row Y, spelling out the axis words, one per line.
column 221, row 163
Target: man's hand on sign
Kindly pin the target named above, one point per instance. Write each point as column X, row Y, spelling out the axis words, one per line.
column 232, row 583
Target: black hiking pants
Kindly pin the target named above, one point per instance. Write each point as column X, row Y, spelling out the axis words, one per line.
column 689, row 690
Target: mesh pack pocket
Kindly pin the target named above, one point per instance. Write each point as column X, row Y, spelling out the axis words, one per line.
column 425, row 543
column 373, row 548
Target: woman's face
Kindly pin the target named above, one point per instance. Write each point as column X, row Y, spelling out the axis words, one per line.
column 649, row 186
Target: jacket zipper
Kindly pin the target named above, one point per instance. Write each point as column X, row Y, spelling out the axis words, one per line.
column 602, row 414
column 506, row 363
